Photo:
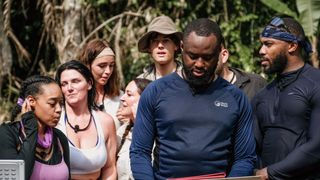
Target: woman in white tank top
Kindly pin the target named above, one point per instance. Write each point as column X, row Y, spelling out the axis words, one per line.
column 99, row 57
column 91, row 132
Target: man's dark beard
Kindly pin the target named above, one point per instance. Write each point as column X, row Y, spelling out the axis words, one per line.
column 279, row 64
column 198, row 82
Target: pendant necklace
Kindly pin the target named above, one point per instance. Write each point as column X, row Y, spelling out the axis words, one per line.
column 101, row 106
column 76, row 128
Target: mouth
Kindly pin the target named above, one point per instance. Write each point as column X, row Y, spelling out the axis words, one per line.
column 71, row 95
column 198, row 73
column 56, row 120
column 161, row 54
column 104, row 78
column 264, row 62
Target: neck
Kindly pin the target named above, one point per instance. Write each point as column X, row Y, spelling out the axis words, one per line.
column 165, row 69
column 228, row 75
column 99, row 94
column 41, row 129
column 293, row 65
column 77, row 110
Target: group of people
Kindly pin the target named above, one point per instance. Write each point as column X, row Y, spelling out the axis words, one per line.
column 198, row 117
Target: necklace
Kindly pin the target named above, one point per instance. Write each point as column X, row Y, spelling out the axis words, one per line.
column 101, row 106
column 233, row 76
column 77, row 128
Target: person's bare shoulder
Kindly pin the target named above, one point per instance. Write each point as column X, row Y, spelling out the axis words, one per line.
column 105, row 119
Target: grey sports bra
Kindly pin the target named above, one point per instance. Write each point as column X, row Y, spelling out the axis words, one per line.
column 84, row 161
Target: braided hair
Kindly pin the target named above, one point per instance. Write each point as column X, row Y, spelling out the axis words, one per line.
column 31, row 86
column 141, row 84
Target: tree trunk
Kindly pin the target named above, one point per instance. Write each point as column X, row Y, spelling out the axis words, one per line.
column 5, row 53
column 68, row 45
column 314, row 56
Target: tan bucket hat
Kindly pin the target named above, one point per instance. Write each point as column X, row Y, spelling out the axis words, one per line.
column 161, row 24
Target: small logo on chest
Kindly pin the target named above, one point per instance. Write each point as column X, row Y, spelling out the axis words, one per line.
column 220, row 104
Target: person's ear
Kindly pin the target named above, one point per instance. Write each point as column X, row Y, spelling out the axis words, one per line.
column 32, row 101
column 292, row 47
column 224, row 55
column 90, row 84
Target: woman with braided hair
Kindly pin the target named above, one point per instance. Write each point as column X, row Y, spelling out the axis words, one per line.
column 31, row 135
column 127, row 114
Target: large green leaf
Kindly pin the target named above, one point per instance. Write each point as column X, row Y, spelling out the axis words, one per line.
column 280, row 7
column 309, row 11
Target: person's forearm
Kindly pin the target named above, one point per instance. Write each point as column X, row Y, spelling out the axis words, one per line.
column 242, row 168
column 141, row 168
column 110, row 173
column 297, row 163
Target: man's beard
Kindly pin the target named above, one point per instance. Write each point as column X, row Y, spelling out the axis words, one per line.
column 278, row 65
column 199, row 82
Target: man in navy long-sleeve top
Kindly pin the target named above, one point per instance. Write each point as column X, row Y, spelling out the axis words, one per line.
column 287, row 110
column 200, row 122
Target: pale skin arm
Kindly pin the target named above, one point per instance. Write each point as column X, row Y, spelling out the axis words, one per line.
column 262, row 173
column 109, row 171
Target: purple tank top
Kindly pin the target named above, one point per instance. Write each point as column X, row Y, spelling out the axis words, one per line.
column 44, row 171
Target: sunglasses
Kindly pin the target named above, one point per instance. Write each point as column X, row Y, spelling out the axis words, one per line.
column 277, row 22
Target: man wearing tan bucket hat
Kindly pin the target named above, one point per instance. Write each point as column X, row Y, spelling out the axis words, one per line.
column 162, row 42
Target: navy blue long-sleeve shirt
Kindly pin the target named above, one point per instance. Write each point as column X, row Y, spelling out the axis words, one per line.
column 196, row 133
column 287, row 125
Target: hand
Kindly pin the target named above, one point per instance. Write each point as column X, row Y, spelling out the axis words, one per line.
column 263, row 173
column 25, row 107
column 124, row 114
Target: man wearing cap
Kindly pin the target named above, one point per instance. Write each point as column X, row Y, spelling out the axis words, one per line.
column 162, row 42
column 287, row 111
column 202, row 124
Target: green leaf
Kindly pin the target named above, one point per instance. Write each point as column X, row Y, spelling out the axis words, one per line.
column 279, row 7
column 309, row 15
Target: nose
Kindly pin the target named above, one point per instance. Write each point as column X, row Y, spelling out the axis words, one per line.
column 69, row 86
column 199, row 63
column 262, row 50
column 58, row 108
column 123, row 97
column 107, row 70
column 160, row 44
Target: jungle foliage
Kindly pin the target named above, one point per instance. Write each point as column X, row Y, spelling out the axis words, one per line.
column 37, row 35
